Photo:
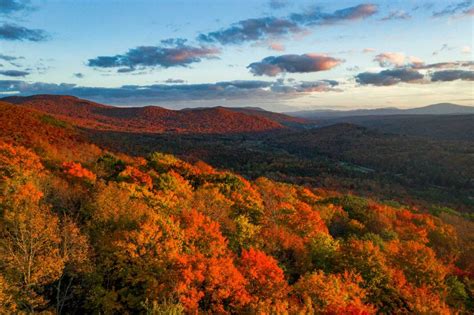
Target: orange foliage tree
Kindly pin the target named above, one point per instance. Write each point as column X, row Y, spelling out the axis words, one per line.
column 266, row 282
column 332, row 294
column 208, row 278
column 77, row 170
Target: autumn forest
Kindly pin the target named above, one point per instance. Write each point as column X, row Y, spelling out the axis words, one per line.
column 87, row 229
column 254, row 157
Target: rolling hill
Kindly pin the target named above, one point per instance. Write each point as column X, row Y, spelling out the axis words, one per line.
column 149, row 119
column 283, row 119
column 53, row 138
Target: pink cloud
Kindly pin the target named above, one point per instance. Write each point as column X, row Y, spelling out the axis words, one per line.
column 390, row 58
column 368, row 50
column 276, row 46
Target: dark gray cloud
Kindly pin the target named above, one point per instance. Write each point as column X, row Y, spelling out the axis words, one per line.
column 423, row 6
column 9, row 58
column 455, row 8
column 174, row 81
column 172, row 53
column 389, row 77
column 252, row 30
column 444, row 47
column 274, row 65
column 14, row 73
column 125, row 70
column 314, row 17
column 12, row 60
column 16, row 32
column 452, row 75
column 10, row 6
column 149, row 94
column 444, row 65
column 397, row 15
column 78, row 75
column 256, row 29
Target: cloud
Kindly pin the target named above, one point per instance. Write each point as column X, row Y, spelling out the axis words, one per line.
column 14, row 73
column 278, row 4
column 469, row 12
column 389, row 77
column 10, row 6
column 251, row 30
column 387, row 59
column 354, row 13
column 257, row 29
column 466, row 50
column 78, row 75
column 409, row 73
column 274, row 65
column 444, row 65
column 175, row 81
column 306, row 87
column 443, row 48
column 125, row 70
column 9, row 58
column 452, row 75
column 415, row 61
column 353, row 68
column 455, row 8
column 396, row 15
column 20, row 33
column 397, row 59
column 149, row 94
column 424, row 6
column 368, row 50
column 172, row 53
column 277, row 46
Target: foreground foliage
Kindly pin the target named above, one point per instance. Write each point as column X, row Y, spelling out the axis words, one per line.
column 159, row 235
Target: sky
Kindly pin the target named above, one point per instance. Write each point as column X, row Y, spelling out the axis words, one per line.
column 280, row 55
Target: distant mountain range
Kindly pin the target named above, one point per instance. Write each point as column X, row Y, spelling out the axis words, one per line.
column 435, row 109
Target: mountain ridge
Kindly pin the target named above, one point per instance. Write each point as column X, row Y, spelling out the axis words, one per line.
column 152, row 119
column 433, row 109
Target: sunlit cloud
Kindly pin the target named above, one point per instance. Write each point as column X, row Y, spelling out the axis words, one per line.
column 274, row 65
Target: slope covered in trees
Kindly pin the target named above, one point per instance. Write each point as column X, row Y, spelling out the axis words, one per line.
column 343, row 157
column 435, row 127
column 83, row 230
column 149, row 119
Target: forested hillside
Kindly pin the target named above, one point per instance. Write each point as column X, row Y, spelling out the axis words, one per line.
column 86, row 230
column 434, row 127
column 149, row 119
